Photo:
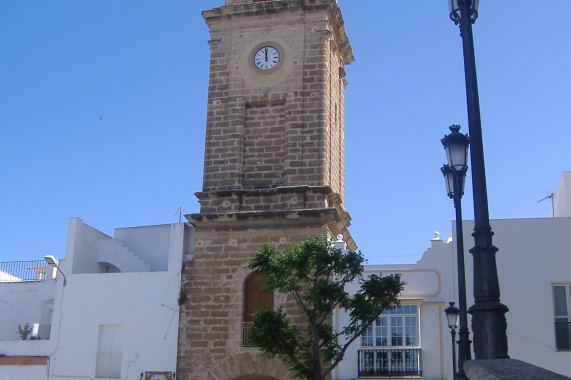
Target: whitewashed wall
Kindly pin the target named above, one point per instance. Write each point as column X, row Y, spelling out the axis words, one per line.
column 145, row 303
column 562, row 199
column 24, row 302
column 28, row 372
column 428, row 284
column 533, row 254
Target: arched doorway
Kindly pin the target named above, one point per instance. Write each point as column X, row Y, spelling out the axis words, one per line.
column 254, row 300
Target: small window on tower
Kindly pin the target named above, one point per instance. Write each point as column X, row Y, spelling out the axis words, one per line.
column 254, row 300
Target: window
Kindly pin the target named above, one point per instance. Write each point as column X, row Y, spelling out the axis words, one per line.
column 391, row 345
column 254, row 300
column 561, row 303
column 109, row 351
column 397, row 327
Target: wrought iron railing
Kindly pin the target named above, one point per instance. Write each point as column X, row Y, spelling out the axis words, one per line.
column 563, row 335
column 245, row 327
column 389, row 362
column 23, row 271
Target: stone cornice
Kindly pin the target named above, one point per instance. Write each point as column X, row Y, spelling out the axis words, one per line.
column 263, row 7
column 335, row 220
column 239, row 9
column 266, row 190
column 249, row 219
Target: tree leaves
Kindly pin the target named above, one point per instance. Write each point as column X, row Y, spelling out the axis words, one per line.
column 315, row 274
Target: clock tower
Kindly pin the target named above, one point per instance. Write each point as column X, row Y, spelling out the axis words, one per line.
column 273, row 170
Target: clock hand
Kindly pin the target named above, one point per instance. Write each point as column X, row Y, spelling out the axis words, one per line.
column 266, row 51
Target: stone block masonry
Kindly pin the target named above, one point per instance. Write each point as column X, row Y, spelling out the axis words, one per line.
column 210, row 336
column 288, row 134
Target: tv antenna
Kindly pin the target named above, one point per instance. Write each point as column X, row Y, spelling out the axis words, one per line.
column 550, row 196
column 179, row 212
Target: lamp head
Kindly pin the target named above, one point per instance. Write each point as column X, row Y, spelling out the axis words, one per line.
column 456, row 7
column 448, row 179
column 51, row 260
column 456, row 146
column 55, row 262
column 452, row 313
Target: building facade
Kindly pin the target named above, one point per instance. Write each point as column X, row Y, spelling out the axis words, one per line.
column 273, row 168
column 111, row 313
column 533, row 267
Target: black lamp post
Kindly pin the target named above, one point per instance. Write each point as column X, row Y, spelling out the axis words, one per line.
column 488, row 314
column 452, row 317
column 456, row 146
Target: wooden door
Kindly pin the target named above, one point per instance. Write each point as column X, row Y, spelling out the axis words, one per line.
column 254, row 299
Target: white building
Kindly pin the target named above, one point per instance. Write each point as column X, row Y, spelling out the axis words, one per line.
column 115, row 316
column 413, row 340
column 534, row 261
column 562, row 197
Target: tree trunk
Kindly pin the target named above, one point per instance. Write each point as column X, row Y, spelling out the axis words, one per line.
column 316, row 354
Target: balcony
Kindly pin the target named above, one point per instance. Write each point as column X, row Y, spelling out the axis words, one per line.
column 245, row 327
column 23, row 271
column 389, row 362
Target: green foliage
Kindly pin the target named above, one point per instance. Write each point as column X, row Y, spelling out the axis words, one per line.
column 316, row 274
column 25, row 331
column 182, row 297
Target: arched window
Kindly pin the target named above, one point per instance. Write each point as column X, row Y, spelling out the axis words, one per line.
column 254, row 299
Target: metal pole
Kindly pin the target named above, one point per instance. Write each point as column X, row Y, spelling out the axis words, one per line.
column 464, row 352
column 453, row 333
column 488, row 314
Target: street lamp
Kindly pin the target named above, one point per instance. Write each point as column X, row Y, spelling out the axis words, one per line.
column 452, row 317
column 488, row 314
column 456, row 12
column 456, row 146
column 51, row 260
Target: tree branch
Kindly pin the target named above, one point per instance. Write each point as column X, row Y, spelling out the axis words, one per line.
column 299, row 300
column 316, row 275
column 347, row 344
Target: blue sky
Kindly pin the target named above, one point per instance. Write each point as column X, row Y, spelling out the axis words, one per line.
column 103, row 109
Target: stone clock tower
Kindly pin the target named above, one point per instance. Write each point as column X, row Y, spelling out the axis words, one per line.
column 273, row 169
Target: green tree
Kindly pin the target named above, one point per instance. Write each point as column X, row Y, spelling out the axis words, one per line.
column 315, row 274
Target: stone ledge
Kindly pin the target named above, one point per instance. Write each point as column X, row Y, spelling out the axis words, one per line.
column 241, row 7
column 264, row 190
column 235, row 219
column 276, row 219
column 508, row 369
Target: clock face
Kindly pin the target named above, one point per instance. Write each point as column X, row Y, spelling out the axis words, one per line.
column 266, row 58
